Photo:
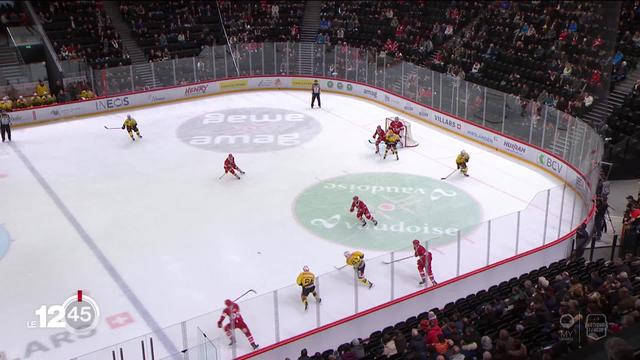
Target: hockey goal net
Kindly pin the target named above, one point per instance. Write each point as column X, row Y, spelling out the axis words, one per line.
column 406, row 139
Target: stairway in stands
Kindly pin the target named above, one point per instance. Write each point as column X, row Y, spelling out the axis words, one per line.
column 602, row 109
column 141, row 66
column 10, row 68
column 310, row 26
column 598, row 115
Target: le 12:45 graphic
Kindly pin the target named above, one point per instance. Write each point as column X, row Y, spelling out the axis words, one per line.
column 78, row 314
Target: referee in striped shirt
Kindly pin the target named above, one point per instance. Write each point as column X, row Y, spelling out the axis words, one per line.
column 5, row 125
column 315, row 93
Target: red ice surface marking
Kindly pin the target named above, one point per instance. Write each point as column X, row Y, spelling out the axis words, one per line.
column 119, row 320
column 386, row 207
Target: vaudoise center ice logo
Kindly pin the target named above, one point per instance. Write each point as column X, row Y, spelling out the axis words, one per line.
column 406, row 207
column 245, row 130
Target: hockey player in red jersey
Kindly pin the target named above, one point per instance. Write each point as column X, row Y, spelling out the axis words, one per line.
column 231, row 167
column 424, row 262
column 362, row 211
column 232, row 310
column 379, row 135
column 397, row 126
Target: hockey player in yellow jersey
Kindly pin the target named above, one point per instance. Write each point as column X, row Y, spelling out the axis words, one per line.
column 307, row 280
column 391, row 141
column 356, row 260
column 461, row 162
column 132, row 126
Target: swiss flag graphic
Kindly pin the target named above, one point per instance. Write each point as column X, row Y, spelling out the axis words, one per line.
column 119, row 320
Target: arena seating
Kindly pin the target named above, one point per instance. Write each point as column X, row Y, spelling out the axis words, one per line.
column 629, row 29
column 262, row 21
column 402, row 29
column 82, row 30
column 549, row 51
column 10, row 15
column 516, row 319
column 169, row 29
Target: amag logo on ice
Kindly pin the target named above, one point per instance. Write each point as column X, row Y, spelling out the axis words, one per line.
column 406, row 207
column 249, row 130
column 550, row 163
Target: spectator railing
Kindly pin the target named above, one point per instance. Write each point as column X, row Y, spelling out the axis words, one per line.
column 620, row 245
column 277, row 315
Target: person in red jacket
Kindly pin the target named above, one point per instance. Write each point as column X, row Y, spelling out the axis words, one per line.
column 232, row 310
column 433, row 333
column 231, row 167
column 424, row 262
column 362, row 211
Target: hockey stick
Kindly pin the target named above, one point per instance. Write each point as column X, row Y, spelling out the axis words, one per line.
column 112, row 128
column 245, row 293
column 446, row 177
column 222, row 176
column 404, row 258
column 341, row 267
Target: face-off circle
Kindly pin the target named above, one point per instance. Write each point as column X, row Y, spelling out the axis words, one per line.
column 247, row 130
column 406, row 206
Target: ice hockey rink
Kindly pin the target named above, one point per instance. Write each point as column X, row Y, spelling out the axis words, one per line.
column 151, row 232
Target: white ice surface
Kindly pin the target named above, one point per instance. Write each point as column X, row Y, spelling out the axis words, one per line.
column 184, row 241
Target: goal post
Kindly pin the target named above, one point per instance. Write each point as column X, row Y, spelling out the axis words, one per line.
column 406, row 138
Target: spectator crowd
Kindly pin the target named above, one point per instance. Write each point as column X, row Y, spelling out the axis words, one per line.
column 172, row 29
column 82, row 30
column 12, row 99
column 261, row 21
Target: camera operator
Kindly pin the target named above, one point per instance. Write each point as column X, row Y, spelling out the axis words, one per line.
column 582, row 240
column 631, row 226
column 600, row 222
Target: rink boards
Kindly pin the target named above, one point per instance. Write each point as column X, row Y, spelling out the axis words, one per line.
column 540, row 158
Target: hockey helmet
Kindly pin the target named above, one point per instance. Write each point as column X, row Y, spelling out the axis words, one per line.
column 128, row 116
column 416, row 242
column 379, row 126
column 230, row 156
column 355, row 198
column 228, row 302
column 305, row 268
column 347, row 254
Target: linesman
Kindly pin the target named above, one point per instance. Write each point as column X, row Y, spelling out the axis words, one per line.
column 5, row 125
column 315, row 93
